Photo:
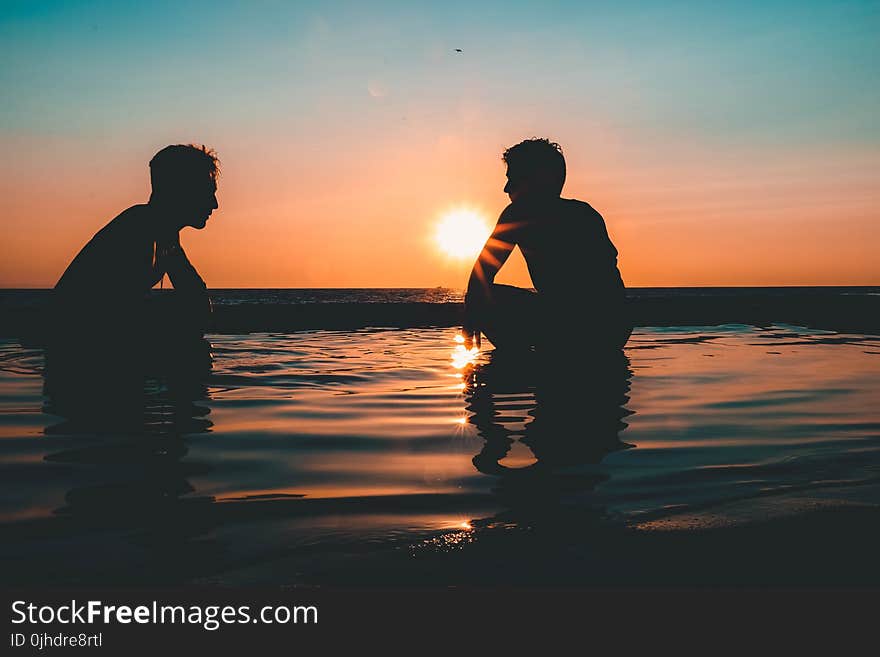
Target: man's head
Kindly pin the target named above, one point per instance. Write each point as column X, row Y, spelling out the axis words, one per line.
column 535, row 168
column 184, row 179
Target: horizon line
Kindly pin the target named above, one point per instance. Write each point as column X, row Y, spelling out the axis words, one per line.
column 442, row 287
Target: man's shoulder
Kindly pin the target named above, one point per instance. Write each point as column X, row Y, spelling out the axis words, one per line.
column 584, row 215
column 576, row 206
column 135, row 214
column 509, row 213
column 132, row 221
column 520, row 211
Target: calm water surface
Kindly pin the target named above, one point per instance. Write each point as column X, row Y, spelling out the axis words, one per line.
column 343, row 443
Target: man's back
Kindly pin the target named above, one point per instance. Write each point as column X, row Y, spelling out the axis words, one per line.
column 116, row 264
column 567, row 249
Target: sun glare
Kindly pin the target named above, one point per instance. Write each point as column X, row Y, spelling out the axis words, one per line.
column 461, row 233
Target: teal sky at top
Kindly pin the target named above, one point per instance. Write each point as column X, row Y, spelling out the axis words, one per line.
column 780, row 72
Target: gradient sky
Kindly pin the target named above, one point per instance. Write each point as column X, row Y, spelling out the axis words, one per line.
column 724, row 143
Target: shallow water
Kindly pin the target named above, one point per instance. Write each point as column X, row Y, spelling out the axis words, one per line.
column 308, row 448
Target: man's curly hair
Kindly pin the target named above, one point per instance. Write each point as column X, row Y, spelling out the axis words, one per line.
column 537, row 155
column 181, row 164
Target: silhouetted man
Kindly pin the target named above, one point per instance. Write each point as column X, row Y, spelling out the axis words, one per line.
column 105, row 330
column 571, row 260
column 132, row 253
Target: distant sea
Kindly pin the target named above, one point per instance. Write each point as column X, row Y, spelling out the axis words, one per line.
column 18, row 298
column 223, row 296
column 847, row 308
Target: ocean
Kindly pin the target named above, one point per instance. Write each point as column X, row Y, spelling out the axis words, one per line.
column 395, row 456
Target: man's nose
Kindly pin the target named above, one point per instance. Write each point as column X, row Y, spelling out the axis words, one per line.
column 214, row 203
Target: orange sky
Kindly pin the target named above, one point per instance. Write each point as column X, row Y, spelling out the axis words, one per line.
column 367, row 220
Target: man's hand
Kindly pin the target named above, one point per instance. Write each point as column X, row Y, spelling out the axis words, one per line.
column 168, row 238
column 477, row 297
column 171, row 259
column 167, row 249
column 476, row 300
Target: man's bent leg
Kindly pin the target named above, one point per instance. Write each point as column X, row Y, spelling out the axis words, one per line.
column 511, row 318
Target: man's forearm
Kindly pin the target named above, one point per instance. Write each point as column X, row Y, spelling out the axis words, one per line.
column 482, row 277
column 474, row 286
column 183, row 275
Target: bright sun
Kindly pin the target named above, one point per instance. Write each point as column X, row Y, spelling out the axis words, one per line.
column 461, row 233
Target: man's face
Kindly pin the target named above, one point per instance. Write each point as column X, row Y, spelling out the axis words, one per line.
column 512, row 188
column 198, row 204
column 517, row 183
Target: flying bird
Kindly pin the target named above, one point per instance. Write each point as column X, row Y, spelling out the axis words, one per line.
column 458, row 50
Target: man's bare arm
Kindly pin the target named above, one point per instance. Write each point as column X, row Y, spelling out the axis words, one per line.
column 183, row 275
column 495, row 252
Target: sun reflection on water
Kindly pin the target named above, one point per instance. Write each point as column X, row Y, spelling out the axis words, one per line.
column 460, row 533
column 462, row 356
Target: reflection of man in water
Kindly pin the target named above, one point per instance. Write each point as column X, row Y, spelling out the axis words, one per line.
column 106, row 332
column 571, row 260
column 576, row 407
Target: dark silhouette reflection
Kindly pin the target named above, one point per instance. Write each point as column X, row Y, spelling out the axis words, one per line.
column 569, row 413
column 114, row 386
column 129, row 485
column 571, row 260
column 136, row 468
